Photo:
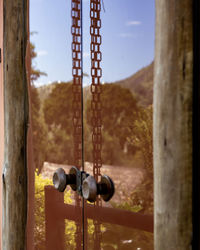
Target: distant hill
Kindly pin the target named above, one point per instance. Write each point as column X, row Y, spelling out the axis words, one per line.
column 141, row 85
column 45, row 90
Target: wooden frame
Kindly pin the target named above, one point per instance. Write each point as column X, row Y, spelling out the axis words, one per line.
column 173, row 102
column 173, row 92
column 16, row 118
column 1, row 110
column 196, row 125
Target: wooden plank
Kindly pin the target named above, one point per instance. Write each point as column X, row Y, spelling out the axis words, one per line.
column 196, row 126
column 54, row 225
column 59, row 210
column 30, row 161
column 1, row 112
column 15, row 110
column 173, row 79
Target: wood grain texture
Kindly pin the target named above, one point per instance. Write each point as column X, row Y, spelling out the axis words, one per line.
column 173, row 80
column 16, row 115
column 1, row 113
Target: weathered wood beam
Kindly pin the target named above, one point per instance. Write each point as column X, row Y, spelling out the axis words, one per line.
column 16, row 115
column 56, row 209
column 1, row 112
column 173, row 82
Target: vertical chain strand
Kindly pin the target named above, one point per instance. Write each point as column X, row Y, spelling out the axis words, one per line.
column 77, row 80
column 76, row 30
column 96, row 88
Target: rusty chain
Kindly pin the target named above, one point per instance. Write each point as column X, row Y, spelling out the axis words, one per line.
column 96, row 73
column 76, row 30
column 96, row 89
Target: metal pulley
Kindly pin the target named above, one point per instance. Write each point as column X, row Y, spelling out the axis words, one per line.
column 84, row 184
column 91, row 189
column 61, row 179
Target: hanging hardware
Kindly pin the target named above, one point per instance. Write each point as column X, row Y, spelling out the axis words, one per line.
column 84, row 184
column 76, row 30
column 77, row 105
column 91, row 189
column 96, row 73
column 96, row 87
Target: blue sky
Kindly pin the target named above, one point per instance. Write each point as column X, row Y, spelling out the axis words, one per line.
column 127, row 38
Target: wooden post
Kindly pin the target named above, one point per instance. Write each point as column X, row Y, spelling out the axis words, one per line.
column 54, row 222
column 173, row 79
column 1, row 113
column 16, row 112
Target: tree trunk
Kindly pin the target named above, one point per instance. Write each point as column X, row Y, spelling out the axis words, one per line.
column 173, row 79
column 16, row 115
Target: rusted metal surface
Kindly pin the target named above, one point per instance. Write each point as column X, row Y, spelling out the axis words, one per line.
column 96, row 73
column 76, row 30
column 77, row 81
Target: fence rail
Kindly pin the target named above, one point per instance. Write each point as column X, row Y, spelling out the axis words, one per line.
column 56, row 211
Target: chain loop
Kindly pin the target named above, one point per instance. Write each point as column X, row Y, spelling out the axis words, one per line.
column 77, row 80
column 76, row 46
column 96, row 89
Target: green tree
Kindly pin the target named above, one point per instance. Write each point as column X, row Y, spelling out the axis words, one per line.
column 38, row 126
column 142, row 137
column 58, row 107
column 141, row 131
column 39, row 132
column 58, row 115
column 119, row 107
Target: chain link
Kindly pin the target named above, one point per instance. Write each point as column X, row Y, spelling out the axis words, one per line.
column 77, row 80
column 76, row 31
column 96, row 89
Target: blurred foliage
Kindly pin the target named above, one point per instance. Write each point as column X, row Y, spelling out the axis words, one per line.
column 141, row 131
column 39, row 131
column 58, row 107
column 141, row 198
column 39, row 229
column 35, row 73
column 118, row 106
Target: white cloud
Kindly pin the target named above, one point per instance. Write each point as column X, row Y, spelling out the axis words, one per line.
column 86, row 54
column 125, row 35
column 42, row 53
column 133, row 23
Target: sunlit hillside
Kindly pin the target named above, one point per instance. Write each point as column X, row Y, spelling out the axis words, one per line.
column 140, row 84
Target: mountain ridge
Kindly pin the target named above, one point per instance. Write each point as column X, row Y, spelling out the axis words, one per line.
column 140, row 84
